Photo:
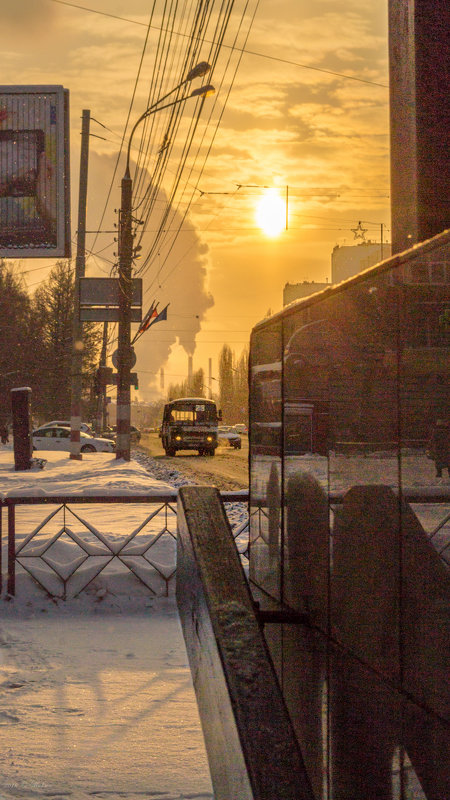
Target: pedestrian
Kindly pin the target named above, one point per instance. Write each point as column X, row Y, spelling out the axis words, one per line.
column 4, row 434
column 438, row 447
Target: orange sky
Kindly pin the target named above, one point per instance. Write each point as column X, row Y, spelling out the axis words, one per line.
column 284, row 115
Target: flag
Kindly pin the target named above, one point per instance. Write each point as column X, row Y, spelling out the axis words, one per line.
column 161, row 316
column 151, row 314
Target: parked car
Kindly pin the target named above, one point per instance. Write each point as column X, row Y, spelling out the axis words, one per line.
column 227, row 432
column 58, row 438
column 240, row 428
column 135, row 434
column 65, row 423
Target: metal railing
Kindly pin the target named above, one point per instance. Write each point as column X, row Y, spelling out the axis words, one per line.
column 67, row 549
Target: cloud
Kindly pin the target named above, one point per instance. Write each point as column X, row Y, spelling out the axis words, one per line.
column 27, row 15
column 182, row 282
column 180, row 278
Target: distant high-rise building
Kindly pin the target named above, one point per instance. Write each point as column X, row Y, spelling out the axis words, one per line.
column 348, row 260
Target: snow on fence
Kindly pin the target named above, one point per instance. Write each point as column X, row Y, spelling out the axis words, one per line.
column 117, row 543
column 127, row 543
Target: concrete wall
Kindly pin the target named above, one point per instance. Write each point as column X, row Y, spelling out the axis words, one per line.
column 419, row 55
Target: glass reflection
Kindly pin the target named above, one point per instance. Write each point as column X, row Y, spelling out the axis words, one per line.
column 349, row 408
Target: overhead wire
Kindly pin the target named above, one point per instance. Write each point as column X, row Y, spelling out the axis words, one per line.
column 222, row 24
column 217, row 123
column 169, row 33
column 175, row 114
column 189, row 60
column 130, row 107
column 176, row 180
column 171, row 130
column 249, row 52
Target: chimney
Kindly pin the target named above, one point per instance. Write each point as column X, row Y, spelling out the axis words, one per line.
column 190, row 373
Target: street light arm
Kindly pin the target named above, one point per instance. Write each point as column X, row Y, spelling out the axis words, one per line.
column 196, row 72
column 147, row 113
column 202, row 91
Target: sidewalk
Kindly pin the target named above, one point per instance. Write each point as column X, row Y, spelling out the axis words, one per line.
column 98, row 703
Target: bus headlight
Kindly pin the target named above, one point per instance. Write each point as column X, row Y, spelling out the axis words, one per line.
column 178, row 438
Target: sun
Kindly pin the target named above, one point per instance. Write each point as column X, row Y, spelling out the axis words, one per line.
column 271, row 213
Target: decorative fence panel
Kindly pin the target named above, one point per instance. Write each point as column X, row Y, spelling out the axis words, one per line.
column 85, row 541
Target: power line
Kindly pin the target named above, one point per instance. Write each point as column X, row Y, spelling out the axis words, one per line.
column 243, row 50
column 148, row 26
column 212, row 58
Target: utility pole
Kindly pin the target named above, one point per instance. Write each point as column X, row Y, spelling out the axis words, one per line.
column 100, row 424
column 125, row 353
column 80, row 266
column 124, row 350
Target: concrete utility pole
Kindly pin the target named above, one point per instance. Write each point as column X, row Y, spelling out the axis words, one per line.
column 80, row 264
column 100, row 423
column 125, row 353
column 124, row 350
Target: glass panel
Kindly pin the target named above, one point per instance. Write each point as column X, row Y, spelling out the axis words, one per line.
column 350, row 456
column 265, row 455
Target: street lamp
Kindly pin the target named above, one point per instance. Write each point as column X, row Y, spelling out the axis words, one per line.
column 202, row 91
column 124, row 349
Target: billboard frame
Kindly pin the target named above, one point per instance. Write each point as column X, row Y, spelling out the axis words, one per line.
column 54, row 105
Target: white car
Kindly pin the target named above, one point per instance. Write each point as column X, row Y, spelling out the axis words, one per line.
column 65, row 423
column 233, row 438
column 58, row 438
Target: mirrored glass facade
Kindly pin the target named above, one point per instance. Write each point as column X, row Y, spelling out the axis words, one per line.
column 349, row 421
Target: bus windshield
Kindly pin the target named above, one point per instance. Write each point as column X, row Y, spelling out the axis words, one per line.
column 195, row 413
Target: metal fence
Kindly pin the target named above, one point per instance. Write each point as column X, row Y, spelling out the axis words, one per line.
column 66, row 542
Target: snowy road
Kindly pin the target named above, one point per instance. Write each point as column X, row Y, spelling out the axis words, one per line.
column 98, row 704
column 228, row 470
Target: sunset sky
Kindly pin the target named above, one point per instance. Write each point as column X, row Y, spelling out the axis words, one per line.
column 301, row 107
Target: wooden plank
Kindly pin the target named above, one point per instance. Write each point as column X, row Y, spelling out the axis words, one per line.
column 252, row 750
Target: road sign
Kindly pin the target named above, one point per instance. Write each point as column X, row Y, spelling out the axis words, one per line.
column 103, row 314
column 115, row 358
column 105, row 292
column 100, row 300
column 133, row 379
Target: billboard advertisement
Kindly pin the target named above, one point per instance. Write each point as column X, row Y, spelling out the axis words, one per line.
column 34, row 172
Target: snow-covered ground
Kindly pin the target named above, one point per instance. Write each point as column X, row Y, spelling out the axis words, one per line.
column 96, row 698
column 131, row 546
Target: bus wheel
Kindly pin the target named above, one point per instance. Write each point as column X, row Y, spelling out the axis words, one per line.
column 170, row 451
column 201, row 451
column 211, row 451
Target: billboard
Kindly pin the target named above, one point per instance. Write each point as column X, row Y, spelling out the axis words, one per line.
column 34, row 172
column 100, row 300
